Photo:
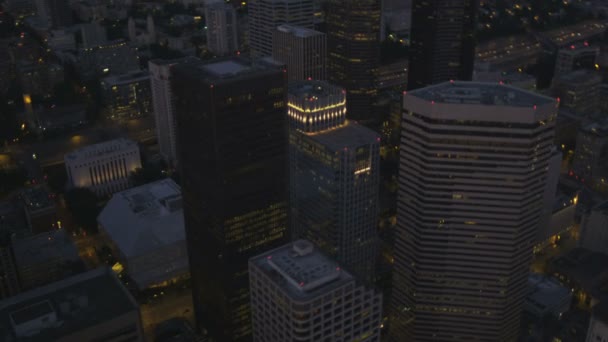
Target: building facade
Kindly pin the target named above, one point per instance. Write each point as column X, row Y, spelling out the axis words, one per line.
column 578, row 90
column 334, row 177
column 232, row 146
column 353, row 44
column 299, row 294
column 104, row 168
column 163, row 103
column 221, row 22
column 472, row 172
column 303, row 51
column 442, row 46
column 54, row 13
column 575, row 57
column 590, row 162
column 594, row 229
column 266, row 15
column 127, row 96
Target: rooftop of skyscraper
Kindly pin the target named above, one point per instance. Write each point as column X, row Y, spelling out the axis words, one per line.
column 491, row 94
column 301, row 270
column 226, row 69
column 349, row 135
column 51, row 312
column 105, row 147
column 298, row 31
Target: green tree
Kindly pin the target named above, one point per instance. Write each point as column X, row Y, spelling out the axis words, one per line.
column 83, row 204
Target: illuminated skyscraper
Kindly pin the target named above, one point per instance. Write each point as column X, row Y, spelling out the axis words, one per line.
column 232, row 147
column 353, row 44
column 266, row 15
column 442, row 44
column 473, row 167
column 334, row 177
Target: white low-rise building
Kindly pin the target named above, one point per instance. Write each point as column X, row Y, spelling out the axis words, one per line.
column 145, row 226
column 104, row 168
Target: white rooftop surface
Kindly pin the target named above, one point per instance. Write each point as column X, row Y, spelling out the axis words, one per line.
column 139, row 220
column 100, row 149
column 225, row 68
column 302, row 270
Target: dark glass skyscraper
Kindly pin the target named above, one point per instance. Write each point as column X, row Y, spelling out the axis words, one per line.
column 232, row 147
column 353, row 44
column 442, row 41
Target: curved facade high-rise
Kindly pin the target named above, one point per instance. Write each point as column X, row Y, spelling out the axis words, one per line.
column 473, row 167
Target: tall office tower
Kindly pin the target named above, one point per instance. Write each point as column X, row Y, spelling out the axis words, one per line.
column 221, row 22
column 163, row 103
column 473, row 167
column 303, row 51
column 266, row 15
column 442, row 46
column 299, row 294
column 334, row 177
column 353, row 43
column 56, row 13
column 232, row 146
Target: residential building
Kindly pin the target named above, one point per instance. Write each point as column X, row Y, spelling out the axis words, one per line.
column 598, row 325
column 163, row 102
column 472, row 173
column 302, row 50
column 221, row 22
column 232, row 147
column 95, row 303
column 434, row 24
column 298, row 293
column 145, row 228
column 578, row 90
column 590, row 162
column 266, row 15
column 127, row 96
column 40, row 209
column 594, row 229
column 334, row 177
column 353, row 44
column 105, row 167
column 45, row 258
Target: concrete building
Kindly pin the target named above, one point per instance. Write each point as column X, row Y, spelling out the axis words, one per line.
column 105, row 167
column 163, row 102
column 92, row 304
column 45, row 258
column 114, row 57
column 221, row 22
column 299, row 294
column 472, row 172
column 93, row 34
column 575, row 57
column 40, row 209
column 598, row 325
column 9, row 281
column 590, row 162
column 145, row 227
column 266, row 15
column 547, row 296
column 578, row 90
column 334, row 177
column 303, row 51
column 54, row 13
column 127, row 96
column 594, row 229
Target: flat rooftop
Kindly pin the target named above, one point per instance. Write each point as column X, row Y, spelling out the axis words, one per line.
column 225, row 69
column 44, row 247
column 297, row 31
column 106, row 147
column 349, row 135
column 69, row 305
column 37, row 198
column 142, row 219
column 490, row 94
column 301, row 270
column 312, row 90
column 131, row 77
